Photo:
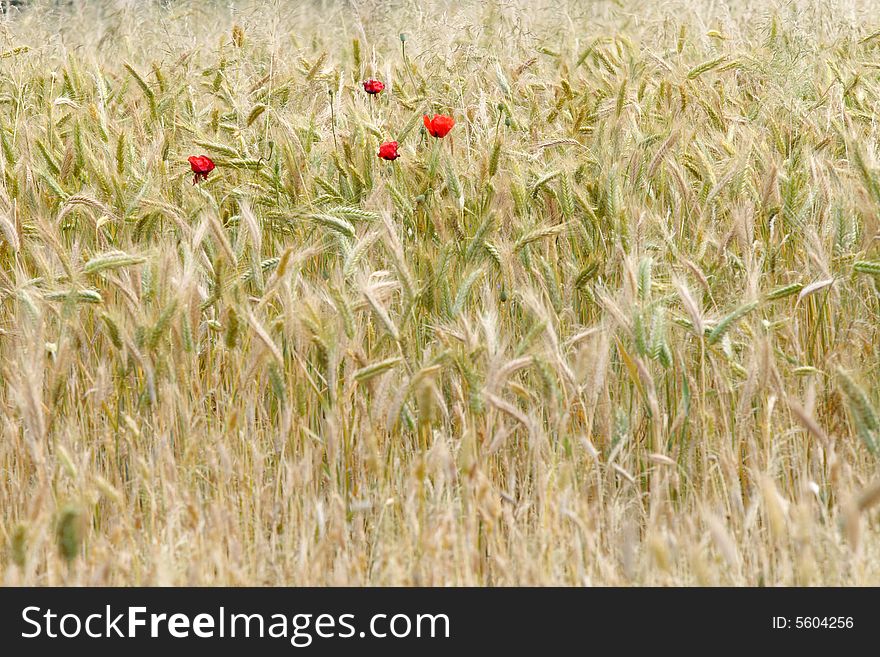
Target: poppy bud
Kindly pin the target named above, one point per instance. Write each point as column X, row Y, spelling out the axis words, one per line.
column 388, row 151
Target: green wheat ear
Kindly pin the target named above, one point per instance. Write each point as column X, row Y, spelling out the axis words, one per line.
column 867, row 267
column 727, row 321
column 864, row 416
column 69, row 533
column 111, row 260
column 356, row 54
column 644, row 280
column 18, row 546
column 784, row 291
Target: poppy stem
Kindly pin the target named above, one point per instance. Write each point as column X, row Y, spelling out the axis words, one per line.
column 333, row 120
column 409, row 74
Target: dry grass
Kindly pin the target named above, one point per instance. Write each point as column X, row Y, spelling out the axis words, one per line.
column 621, row 326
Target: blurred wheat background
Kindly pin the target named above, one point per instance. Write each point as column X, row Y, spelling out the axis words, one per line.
column 621, row 326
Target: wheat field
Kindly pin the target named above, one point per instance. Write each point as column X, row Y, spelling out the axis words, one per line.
column 619, row 327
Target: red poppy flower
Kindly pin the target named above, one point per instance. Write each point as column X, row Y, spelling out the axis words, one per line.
column 388, row 150
column 201, row 165
column 373, row 86
column 440, row 125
